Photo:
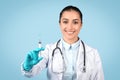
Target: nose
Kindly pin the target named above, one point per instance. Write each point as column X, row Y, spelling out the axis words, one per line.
column 70, row 26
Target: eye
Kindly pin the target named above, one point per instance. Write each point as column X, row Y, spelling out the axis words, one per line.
column 65, row 22
column 75, row 22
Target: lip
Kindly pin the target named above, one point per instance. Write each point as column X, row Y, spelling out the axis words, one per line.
column 70, row 32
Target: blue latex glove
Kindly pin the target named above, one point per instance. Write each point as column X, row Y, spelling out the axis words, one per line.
column 32, row 58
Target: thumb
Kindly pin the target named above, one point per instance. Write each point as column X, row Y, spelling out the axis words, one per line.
column 39, row 49
column 40, row 58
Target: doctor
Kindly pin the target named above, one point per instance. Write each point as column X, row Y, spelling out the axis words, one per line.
column 69, row 58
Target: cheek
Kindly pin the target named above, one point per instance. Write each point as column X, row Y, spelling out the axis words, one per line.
column 77, row 32
column 62, row 27
column 78, row 29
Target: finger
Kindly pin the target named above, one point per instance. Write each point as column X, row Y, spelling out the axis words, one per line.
column 34, row 55
column 29, row 56
column 39, row 49
column 42, row 49
column 40, row 58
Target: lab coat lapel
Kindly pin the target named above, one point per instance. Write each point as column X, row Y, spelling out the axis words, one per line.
column 57, row 62
column 80, row 55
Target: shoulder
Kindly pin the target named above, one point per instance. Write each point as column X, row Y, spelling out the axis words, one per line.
column 90, row 50
column 92, row 53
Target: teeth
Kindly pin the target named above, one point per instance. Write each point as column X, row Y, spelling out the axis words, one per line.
column 70, row 32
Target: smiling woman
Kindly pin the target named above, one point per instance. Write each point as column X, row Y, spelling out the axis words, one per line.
column 70, row 24
column 69, row 58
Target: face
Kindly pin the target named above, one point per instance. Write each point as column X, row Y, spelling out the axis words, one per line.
column 70, row 24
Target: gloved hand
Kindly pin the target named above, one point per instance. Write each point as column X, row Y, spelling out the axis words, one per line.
column 32, row 58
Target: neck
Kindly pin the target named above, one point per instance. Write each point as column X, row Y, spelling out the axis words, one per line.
column 71, row 41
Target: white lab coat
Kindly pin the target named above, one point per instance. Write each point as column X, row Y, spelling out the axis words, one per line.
column 56, row 67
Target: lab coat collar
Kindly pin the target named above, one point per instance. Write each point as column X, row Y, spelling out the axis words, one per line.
column 70, row 46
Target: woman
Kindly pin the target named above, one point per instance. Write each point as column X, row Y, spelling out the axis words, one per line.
column 69, row 58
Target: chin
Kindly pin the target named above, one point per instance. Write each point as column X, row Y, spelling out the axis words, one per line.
column 70, row 37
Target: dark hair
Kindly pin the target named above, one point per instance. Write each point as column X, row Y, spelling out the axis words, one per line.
column 69, row 8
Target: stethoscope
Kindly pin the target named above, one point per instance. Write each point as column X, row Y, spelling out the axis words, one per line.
column 84, row 58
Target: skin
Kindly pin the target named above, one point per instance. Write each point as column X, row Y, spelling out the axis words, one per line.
column 70, row 25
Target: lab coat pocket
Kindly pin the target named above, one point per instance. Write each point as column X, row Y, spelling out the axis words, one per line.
column 58, row 63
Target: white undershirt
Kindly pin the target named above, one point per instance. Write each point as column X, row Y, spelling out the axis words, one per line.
column 70, row 53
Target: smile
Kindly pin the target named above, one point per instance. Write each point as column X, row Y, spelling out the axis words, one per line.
column 69, row 32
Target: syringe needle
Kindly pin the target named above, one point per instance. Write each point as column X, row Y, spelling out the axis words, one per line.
column 39, row 44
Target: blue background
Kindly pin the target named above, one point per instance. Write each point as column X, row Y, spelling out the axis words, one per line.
column 24, row 22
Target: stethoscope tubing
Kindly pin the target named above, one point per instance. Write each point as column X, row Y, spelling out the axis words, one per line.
column 84, row 58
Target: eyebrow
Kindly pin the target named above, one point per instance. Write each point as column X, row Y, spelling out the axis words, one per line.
column 76, row 19
column 64, row 19
column 73, row 19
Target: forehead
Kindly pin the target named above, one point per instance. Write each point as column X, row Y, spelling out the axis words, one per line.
column 70, row 15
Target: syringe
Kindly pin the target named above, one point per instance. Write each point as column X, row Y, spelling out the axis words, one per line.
column 40, row 46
